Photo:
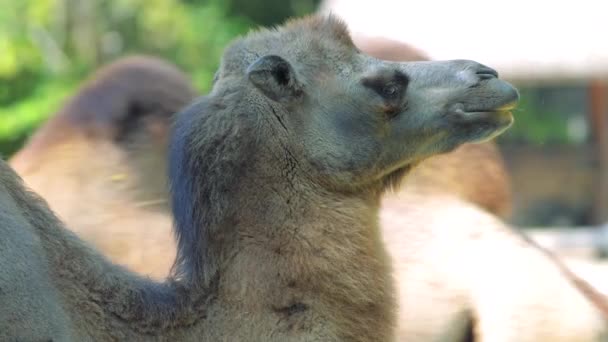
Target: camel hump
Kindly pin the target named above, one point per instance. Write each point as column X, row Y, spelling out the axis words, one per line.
column 119, row 100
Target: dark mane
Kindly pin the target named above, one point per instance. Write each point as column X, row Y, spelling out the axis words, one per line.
column 204, row 175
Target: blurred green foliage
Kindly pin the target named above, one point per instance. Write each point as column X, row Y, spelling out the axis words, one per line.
column 19, row 119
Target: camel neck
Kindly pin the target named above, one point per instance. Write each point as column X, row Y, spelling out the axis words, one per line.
column 301, row 253
column 280, row 245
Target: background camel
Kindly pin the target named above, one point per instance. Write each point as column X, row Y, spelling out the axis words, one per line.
column 100, row 162
column 277, row 236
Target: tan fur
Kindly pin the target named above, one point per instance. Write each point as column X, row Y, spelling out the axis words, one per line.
column 474, row 172
column 588, row 290
column 594, row 271
column 478, row 269
column 96, row 197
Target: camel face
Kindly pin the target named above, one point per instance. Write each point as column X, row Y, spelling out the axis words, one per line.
column 356, row 119
column 396, row 114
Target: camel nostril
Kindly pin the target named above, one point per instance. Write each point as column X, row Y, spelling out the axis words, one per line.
column 485, row 73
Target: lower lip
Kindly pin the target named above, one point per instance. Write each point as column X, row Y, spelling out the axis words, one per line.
column 487, row 114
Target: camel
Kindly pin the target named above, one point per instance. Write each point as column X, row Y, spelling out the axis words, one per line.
column 123, row 113
column 276, row 179
column 140, row 238
column 480, row 279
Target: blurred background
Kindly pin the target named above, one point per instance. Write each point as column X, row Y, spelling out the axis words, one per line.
column 557, row 151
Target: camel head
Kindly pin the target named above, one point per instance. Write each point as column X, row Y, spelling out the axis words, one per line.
column 356, row 120
column 300, row 111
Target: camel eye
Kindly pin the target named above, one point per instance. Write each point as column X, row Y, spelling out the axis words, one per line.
column 389, row 87
column 391, row 90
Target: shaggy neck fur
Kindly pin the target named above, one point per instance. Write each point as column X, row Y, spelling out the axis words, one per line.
column 268, row 234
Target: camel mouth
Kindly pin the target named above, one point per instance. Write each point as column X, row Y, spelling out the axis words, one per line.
column 494, row 96
column 481, row 125
column 498, row 117
column 496, row 112
column 508, row 106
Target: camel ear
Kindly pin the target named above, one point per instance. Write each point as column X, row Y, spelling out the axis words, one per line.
column 275, row 77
